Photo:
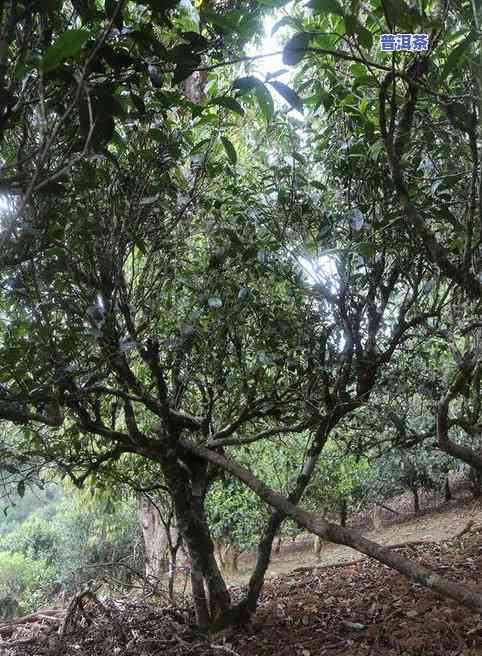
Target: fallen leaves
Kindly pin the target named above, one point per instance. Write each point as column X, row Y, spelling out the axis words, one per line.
column 363, row 609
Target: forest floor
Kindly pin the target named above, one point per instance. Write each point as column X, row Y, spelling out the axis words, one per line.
column 435, row 523
column 366, row 609
column 308, row 608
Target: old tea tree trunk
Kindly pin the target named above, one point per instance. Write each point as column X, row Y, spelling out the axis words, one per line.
column 155, row 539
column 340, row 535
column 162, row 540
column 187, row 480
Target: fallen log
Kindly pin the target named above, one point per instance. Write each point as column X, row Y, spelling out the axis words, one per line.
column 465, row 530
column 30, row 619
column 382, row 505
column 341, row 535
column 469, row 527
column 17, row 643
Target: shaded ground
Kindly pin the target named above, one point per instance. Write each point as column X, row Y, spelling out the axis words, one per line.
column 308, row 608
column 432, row 525
column 363, row 609
column 367, row 609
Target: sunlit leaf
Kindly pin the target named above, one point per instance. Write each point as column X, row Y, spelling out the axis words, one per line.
column 295, row 48
column 215, row 302
column 230, row 150
column 357, row 219
column 326, row 7
column 288, row 94
column 265, row 102
column 229, row 103
column 243, row 293
column 273, row 3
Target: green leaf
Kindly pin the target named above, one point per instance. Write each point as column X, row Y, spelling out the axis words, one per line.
column 103, row 106
column 181, row 73
column 277, row 73
column 21, row 488
column 288, row 94
column 162, row 5
column 229, row 103
column 157, row 135
column 286, row 21
column 245, row 84
column 295, row 48
column 365, row 38
column 182, row 54
column 366, row 248
column 400, row 14
column 138, row 103
column 352, row 24
column 85, row 10
column 456, row 54
column 326, row 7
column 200, row 146
column 265, row 102
column 230, row 150
column 224, row 22
column 366, row 81
column 67, row 45
column 196, row 40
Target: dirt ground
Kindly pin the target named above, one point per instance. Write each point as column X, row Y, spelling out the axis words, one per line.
column 367, row 609
column 357, row 609
column 432, row 525
column 330, row 607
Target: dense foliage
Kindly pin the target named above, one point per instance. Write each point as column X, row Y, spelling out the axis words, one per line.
column 56, row 543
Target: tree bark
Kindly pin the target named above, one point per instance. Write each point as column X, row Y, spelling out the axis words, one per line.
column 343, row 512
column 476, row 479
column 377, row 517
column 248, row 605
column 447, row 490
column 199, row 593
column 219, row 550
column 416, row 501
column 188, row 488
column 317, row 545
column 173, row 546
column 339, row 535
column 277, row 548
column 235, row 554
column 155, row 539
column 464, row 453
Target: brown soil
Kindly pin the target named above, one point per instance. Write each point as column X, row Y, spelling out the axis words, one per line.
column 308, row 608
column 362, row 609
column 368, row 610
column 432, row 525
